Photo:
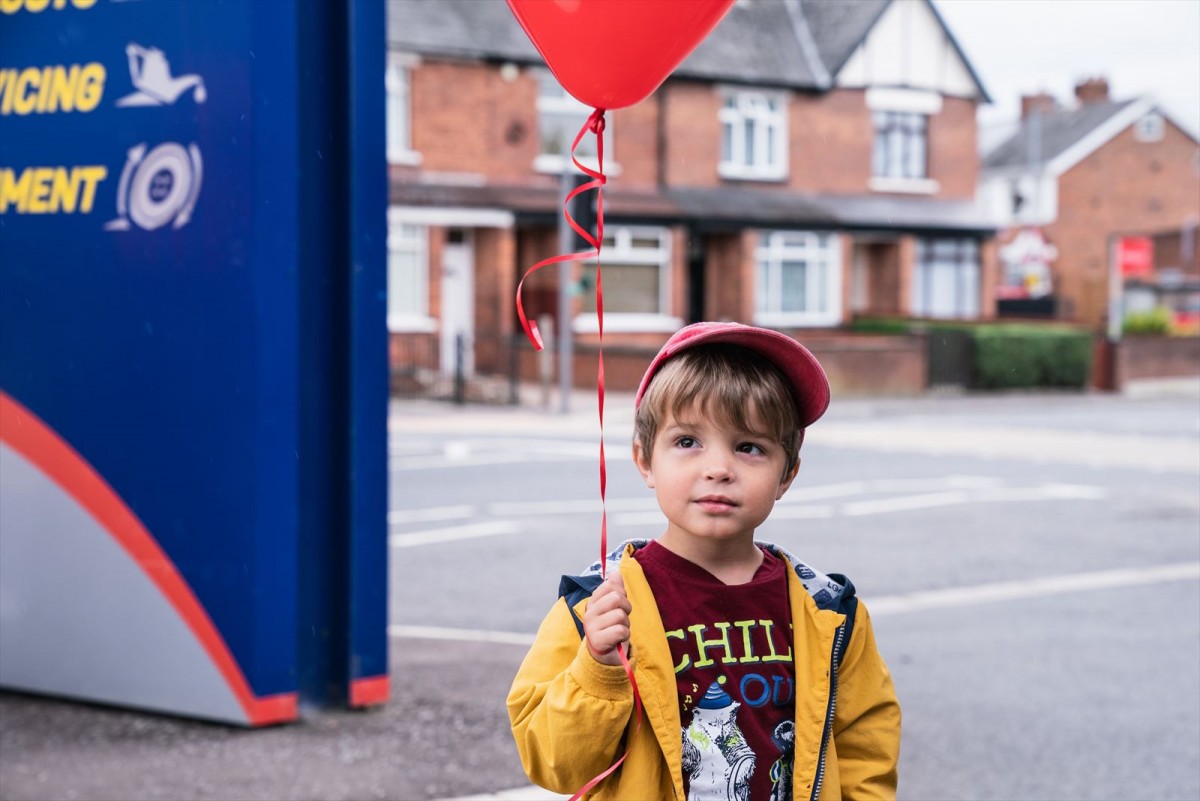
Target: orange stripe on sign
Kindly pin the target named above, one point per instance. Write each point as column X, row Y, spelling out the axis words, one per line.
column 27, row 434
column 370, row 691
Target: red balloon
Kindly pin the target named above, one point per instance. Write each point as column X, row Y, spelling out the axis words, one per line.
column 613, row 53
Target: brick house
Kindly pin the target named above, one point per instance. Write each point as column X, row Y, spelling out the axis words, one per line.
column 1083, row 177
column 809, row 162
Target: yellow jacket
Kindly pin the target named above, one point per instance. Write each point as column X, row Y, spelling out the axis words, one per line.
column 572, row 716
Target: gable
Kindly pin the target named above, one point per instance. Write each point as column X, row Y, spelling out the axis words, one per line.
column 1063, row 137
column 909, row 46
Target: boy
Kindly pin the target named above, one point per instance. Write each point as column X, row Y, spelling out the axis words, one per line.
column 759, row 676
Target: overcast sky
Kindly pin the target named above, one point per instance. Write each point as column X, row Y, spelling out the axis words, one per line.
column 1025, row 46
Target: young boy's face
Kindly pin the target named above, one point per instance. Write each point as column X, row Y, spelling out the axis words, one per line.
column 712, row 482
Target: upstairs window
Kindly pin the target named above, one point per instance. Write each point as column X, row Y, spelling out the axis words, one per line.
column 901, row 145
column 798, row 279
column 560, row 116
column 399, row 115
column 753, row 136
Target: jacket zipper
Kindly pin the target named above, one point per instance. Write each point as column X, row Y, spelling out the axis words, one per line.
column 828, row 733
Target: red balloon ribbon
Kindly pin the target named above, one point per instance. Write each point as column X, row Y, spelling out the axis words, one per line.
column 594, row 124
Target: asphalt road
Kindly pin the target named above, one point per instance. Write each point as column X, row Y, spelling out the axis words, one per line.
column 1032, row 564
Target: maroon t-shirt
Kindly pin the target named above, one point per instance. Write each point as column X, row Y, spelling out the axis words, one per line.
column 732, row 650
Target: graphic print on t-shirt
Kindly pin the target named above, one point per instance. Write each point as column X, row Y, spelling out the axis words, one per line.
column 731, row 647
column 717, row 760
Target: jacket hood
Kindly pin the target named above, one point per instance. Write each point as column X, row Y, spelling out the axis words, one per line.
column 831, row 591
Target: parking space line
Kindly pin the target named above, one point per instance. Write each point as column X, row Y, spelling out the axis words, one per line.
column 949, row 597
column 490, row 528
column 1039, row 586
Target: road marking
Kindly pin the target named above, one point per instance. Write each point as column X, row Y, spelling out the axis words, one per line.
column 588, row 506
column 473, row 453
column 1105, row 451
column 402, row 516
column 473, row 635
column 955, row 490
column 905, row 503
column 490, row 528
column 949, row 597
column 1031, row 588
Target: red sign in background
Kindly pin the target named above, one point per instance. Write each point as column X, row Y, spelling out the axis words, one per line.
column 1135, row 256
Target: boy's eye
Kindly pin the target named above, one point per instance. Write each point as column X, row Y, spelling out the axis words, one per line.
column 750, row 447
column 686, row 442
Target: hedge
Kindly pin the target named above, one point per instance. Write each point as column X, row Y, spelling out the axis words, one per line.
column 1009, row 355
column 1012, row 356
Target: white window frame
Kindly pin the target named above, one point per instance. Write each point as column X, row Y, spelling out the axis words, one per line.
column 919, row 307
column 776, row 247
column 416, row 242
column 398, row 86
column 902, row 101
column 621, row 250
column 565, row 104
column 740, row 107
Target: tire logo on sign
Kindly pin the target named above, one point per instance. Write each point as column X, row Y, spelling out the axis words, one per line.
column 158, row 187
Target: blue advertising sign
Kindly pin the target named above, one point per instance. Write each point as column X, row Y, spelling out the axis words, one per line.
column 151, row 412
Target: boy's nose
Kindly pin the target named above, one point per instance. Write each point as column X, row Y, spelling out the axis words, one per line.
column 717, row 468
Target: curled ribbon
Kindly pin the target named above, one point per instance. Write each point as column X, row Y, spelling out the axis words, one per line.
column 595, row 125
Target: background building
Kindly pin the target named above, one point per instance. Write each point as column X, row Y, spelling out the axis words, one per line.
column 809, row 162
column 1087, row 177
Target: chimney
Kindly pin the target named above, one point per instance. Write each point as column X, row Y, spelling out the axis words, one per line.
column 1093, row 90
column 1042, row 103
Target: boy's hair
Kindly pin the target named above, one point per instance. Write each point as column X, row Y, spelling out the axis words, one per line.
column 734, row 385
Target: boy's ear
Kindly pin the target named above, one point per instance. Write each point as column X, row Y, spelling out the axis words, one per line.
column 641, row 460
column 788, row 478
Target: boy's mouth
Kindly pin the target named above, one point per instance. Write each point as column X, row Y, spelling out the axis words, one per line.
column 715, row 503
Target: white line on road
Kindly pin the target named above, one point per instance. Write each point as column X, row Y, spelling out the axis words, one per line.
column 588, row 506
column 949, row 597
column 957, row 490
column 402, row 516
column 474, row 635
column 1032, row 588
column 489, row 528
column 905, row 503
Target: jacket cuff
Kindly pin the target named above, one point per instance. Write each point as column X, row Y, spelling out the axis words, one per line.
column 607, row 682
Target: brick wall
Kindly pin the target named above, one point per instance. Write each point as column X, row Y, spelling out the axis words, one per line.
column 468, row 119
column 691, row 130
column 1125, row 187
column 1157, row 357
column 855, row 364
column 831, row 137
column 953, row 153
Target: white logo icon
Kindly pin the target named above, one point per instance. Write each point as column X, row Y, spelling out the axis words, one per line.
column 158, row 187
column 151, row 76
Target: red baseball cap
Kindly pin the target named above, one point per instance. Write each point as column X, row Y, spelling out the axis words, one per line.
column 804, row 373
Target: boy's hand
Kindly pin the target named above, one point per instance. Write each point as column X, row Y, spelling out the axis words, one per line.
column 606, row 621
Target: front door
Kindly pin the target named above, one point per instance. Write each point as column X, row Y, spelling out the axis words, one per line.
column 458, row 302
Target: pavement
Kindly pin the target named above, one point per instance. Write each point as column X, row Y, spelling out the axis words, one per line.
column 426, row 743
